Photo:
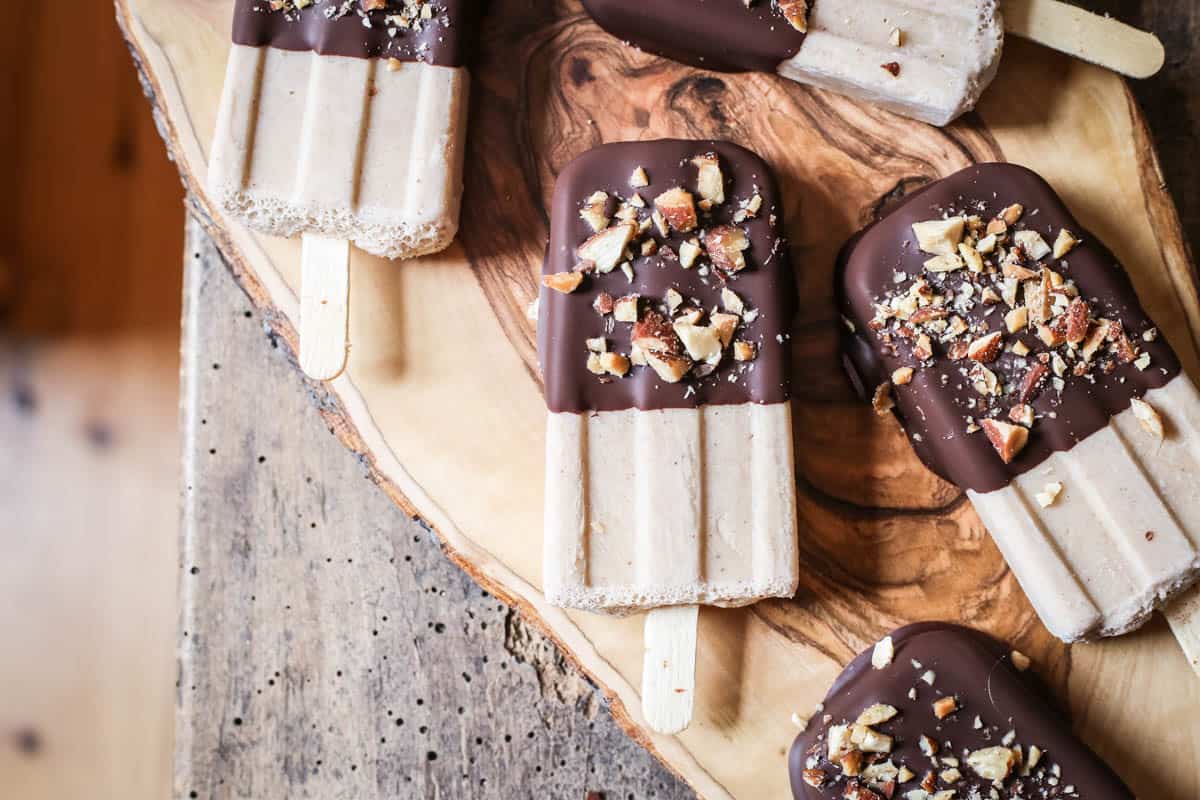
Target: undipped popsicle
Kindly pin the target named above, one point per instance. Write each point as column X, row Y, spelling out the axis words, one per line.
column 1016, row 354
column 664, row 332
column 941, row 712
column 344, row 120
column 926, row 59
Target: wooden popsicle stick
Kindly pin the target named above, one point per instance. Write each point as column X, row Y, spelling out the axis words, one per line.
column 669, row 668
column 1183, row 614
column 1082, row 34
column 324, row 303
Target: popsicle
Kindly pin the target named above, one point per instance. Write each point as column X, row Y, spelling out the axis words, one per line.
column 940, row 712
column 664, row 328
column 926, row 59
column 1013, row 348
column 344, row 120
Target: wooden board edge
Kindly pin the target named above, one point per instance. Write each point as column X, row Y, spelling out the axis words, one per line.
column 333, row 411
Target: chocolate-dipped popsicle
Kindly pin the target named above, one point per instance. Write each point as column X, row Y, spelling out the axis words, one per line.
column 344, row 121
column 927, row 60
column 1012, row 347
column 941, row 712
column 664, row 328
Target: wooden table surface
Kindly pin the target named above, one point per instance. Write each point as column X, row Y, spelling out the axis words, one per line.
column 318, row 618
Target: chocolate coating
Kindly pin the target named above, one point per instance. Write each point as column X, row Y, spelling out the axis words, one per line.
column 720, row 35
column 933, row 413
column 444, row 40
column 978, row 671
column 566, row 321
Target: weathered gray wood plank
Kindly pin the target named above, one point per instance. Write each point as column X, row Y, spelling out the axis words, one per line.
column 328, row 649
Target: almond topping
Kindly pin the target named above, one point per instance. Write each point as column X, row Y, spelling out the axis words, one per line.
column 711, row 182
column 1008, row 440
column 986, row 348
column 626, row 309
column 1148, row 418
column 565, row 282
column 744, row 351
column 726, row 245
column 593, row 211
column 1065, row 243
column 902, row 376
column 939, row 237
column 944, row 707
column 639, row 178
column 678, row 208
column 607, row 248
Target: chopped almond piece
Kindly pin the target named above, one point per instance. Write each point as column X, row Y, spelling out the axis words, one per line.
column 725, row 325
column 614, row 364
column 678, row 208
column 1016, row 319
column 660, row 223
column 649, row 247
column 1065, row 243
column 875, row 714
column 565, row 282
column 639, row 178
column 1148, row 418
column 726, row 245
column 923, row 350
column 971, row 256
column 689, row 251
column 603, row 304
column 882, row 401
column 654, row 334
column 884, row 650
column 1012, row 214
column 1049, row 494
column 997, row 227
column 1007, row 439
column 626, row 309
column 814, row 777
column 1033, row 244
column 1022, row 663
column 1095, row 340
column 939, row 237
column 944, row 707
column 711, row 182
column 1011, row 269
column 1022, row 414
column 1076, row 325
column 796, row 13
column 732, row 303
column 593, row 364
column 947, row 263
column 671, row 368
column 986, row 348
column 606, row 249
column 1050, row 336
column 851, row 763
column 902, row 376
column 594, row 211
column 701, row 341
column 993, row 763
column 744, row 351
column 674, row 300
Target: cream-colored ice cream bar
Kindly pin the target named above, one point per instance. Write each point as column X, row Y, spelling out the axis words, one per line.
column 663, row 335
column 1102, row 534
column 670, row 507
column 346, row 126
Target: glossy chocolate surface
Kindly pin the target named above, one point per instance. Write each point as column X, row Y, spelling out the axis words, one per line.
column 993, row 698
column 720, row 35
column 342, row 28
column 935, row 407
column 566, row 321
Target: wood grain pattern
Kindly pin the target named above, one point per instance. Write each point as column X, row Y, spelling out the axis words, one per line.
column 886, row 542
column 329, row 648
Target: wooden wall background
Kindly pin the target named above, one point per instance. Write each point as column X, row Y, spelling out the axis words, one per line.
column 91, row 234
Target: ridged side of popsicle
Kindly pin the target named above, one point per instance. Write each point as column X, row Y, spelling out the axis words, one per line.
column 925, row 59
column 703, row 499
column 360, row 149
column 1123, row 536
